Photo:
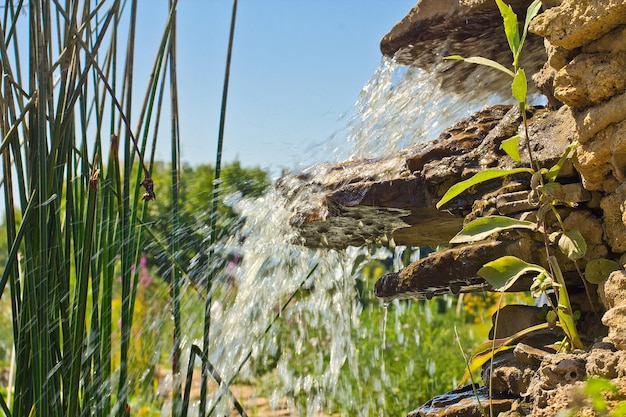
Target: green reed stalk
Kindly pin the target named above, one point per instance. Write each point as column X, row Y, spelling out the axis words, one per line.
column 76, row 230
column 175, row 276
column 216, row 189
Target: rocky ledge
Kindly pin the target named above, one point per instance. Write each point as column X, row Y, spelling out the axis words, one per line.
column 437, row 28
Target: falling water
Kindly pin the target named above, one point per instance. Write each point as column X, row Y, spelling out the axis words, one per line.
column 398, row 107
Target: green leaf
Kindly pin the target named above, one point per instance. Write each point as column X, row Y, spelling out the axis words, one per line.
column 485, row 351
column 511, row 147
column 482, row 227
column 554, row 171
column 519, row 86
column 564, row 310
column 480, row 358
column 531, row 12
column 478, row 178
column 595, row 388
column 482, row 61
column 511, row 28
column 599, row 270
column 504, row 271
column 573, row 244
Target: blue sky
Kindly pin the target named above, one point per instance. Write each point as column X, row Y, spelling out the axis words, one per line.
column 297, row 67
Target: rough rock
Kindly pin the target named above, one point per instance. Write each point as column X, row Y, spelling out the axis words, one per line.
column 455, row 270
column 603, row 360
column 513, row 318
column 614, row 228
column 590, row 227
column 614, row 289
column 593, row 120
column 575, row 23
column 602, row 161
column 556, row 370
column 558, row 57
column 450, row 271
column 507, row 374
column 614, row 41
column 590, row 79
column 394, row 200
column 529, row 355
column 544, row 81
column 437, row 28
column 464, row 402
column 615, row 320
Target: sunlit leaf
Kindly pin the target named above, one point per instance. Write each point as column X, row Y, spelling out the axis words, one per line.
column 573, row 244
column 485, row 351
column 564, row 310
column 599, row 270
column 511, row 28
column 479, row 359
column 478, row 178
column 482, row 61
column 554, row 171
column 511, row 147
column 519, row 86
column 531, row 12
column 503, row 272
column 484, row 226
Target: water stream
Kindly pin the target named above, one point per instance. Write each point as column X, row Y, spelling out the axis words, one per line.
column 320, row 333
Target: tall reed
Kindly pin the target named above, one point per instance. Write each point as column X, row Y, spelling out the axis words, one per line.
column 77, row 173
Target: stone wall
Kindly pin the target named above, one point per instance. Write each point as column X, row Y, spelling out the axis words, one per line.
column 585, row 73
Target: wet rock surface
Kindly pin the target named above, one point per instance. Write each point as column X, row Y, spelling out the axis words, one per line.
column 463, row 402
column 434, row 29
column 365, row 201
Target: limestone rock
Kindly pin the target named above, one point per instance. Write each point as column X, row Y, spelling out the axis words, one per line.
column 614, row 289
column 614, row 228
column 544, row 81
column 593, row 120
column 615, row 320
column 507, row 374
column 590, row 227
column 558, row 370
column 603, row 361
column 574, row 23
column 602, row 161
column 614, row 41
column 590, row 79
column 558, row 57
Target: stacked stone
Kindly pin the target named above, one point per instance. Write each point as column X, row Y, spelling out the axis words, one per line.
column 585, row 74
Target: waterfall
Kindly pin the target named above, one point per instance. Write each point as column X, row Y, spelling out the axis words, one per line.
column 397, row 108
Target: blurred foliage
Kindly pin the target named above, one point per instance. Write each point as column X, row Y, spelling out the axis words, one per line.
column 196, row 193
column 405, row 352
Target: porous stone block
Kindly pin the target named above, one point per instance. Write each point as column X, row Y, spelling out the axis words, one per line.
column 574, row 23
column 601, row 162
column 614, row 228
column 613, row 290
column 614, row 41
column 593, row 120
column 615, row 320
column 590, row 79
